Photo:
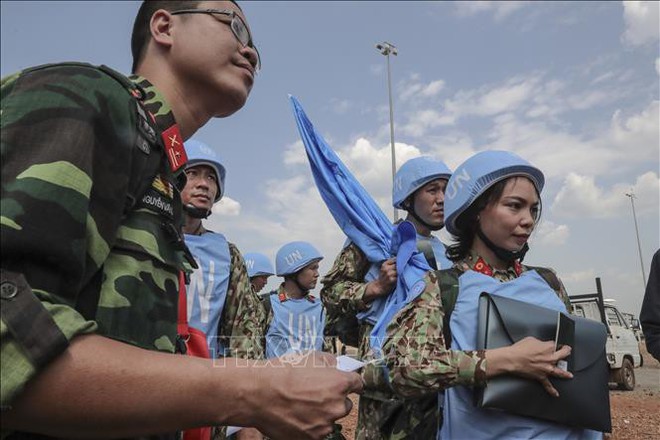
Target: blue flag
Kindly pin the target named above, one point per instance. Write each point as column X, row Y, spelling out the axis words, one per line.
column 354, row 210
column 363, row 222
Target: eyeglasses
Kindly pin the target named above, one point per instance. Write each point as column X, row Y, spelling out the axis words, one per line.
column 237, row 25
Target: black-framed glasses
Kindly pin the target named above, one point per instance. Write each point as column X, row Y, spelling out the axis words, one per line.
column 237, row 26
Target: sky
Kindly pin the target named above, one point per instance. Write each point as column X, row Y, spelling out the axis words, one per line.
column 573, row 87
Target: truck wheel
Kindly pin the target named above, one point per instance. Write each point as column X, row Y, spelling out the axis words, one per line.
column 625, row 376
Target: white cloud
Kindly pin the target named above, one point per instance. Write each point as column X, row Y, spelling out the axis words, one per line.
column 606, row 151
column 642, row 20
column 640, row 131
column 499, row 9
column 414, row 89
column 294, row 154
column 421, row 121
column 227, row 207
column 551, row 234
column 579, row 276
column 580, row 196
column 372, row 166
column 340, row 106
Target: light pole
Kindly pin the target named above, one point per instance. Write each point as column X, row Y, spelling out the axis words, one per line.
column 388, row 49
column 631, row 194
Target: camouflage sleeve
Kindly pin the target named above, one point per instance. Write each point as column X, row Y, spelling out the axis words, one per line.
column 65, row 159
column 343, row 286
column 415, row 352
column 243, row 317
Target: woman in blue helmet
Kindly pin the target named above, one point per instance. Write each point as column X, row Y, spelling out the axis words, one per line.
column 221, row 302
column 356, row 289
column 492, row 206
column 296, row 319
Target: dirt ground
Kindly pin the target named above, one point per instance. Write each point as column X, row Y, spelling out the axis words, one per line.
column 635, row 414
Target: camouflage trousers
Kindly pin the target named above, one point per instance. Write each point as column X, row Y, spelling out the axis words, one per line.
column 395, row 419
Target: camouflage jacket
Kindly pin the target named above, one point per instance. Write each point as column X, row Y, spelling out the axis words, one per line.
column 415, row 351
column 70, row 141
column 243, row 316
column 381, row 415
column 343, row 291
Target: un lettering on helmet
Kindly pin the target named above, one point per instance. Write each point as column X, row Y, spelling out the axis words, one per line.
column 293, row 257
column 456, row 183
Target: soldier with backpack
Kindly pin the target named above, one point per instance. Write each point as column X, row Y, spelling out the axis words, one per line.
column 354, row 292
column 92, row 246
column 492, row 207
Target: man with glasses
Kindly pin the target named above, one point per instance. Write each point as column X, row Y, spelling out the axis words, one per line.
column 92, row 248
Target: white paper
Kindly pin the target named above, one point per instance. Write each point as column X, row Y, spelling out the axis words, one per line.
column 347, row 363
column 344, row 363
column 233, row 430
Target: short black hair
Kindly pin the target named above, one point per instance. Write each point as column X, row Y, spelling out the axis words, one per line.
column 141, row 31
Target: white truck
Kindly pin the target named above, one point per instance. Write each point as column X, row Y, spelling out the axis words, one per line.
column 622, row 348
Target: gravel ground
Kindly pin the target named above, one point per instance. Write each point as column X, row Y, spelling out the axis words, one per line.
column 635, row 414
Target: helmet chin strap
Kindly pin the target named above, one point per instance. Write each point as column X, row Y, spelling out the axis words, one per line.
column 501, row 253
column 195, row 212
column 412, row 212
column 304, row 290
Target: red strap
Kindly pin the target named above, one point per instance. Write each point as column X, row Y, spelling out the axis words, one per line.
column 182, row 320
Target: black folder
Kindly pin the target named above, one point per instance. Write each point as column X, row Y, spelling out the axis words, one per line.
column 583, row 401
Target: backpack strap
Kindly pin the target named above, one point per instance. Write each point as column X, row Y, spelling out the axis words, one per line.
column 147, row 161
column 448, row 284
column 548, row 276
column 425, row 247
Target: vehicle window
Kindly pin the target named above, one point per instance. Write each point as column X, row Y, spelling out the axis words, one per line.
column 578, row 311
column 612, row 317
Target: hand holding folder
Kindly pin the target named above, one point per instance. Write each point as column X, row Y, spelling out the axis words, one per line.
column 583, row 401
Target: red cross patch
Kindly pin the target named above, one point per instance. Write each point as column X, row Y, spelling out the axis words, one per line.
column 176, row 153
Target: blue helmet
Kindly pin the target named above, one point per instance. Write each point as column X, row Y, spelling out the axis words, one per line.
column 258, row 264
column 414, row 174
column 478, row 173
column 201, row 154
column 294, row 256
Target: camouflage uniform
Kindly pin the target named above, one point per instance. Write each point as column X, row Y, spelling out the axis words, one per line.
column 243, row 319
column 381, row 414
column 70, row 153
column 415, row 349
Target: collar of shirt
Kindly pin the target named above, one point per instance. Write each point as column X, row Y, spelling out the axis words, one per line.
column 155, row 103
column 161, row 114
column 477, row 263
column 282, row 296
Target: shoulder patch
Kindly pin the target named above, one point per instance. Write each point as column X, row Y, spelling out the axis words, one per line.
column 417, row 288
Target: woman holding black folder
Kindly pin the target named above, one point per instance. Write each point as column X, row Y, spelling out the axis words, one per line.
column 492, row 205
